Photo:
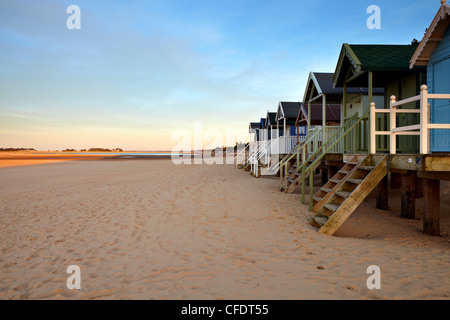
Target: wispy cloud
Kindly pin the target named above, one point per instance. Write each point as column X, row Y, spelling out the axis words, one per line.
column 137, row 69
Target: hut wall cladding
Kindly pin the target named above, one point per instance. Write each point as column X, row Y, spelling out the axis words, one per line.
column 438, row 80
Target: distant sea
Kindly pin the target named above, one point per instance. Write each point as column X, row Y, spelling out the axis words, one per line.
column 122, row 153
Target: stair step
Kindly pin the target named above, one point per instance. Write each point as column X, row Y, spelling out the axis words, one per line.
column 318, row 199
column 298, row 174
column 320, row 220
column 335, row 180
column 355, row 181
column 332, row 207
column 326, row 189
column 344, row 172
column 291, row 181
column 343, row 194
column 368, row 168
column 354, row 163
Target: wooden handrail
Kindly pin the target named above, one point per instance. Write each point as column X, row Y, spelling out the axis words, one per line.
column 311, row 166
column 300, row 149
column 422, row 128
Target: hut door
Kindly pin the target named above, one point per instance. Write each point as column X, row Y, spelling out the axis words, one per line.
column 440, row 109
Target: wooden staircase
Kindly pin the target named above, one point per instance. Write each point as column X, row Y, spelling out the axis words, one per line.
column 349, row 195
column 295, row 177
column 322, row 196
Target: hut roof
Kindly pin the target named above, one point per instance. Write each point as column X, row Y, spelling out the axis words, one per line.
column 432, row 37
column 386, row 61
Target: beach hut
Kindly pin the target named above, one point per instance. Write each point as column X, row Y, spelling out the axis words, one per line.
column 311, row 116
column 286, row 117
column 378, row 66
column 320, row 89
column 434, row 52
column 409, row 134
column 254, row 146
column 253, row 130
column 382, row 69
column 271, row 124
column 263, row 130
column 325, row 127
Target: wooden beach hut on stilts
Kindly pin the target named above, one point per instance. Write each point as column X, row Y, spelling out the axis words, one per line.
column 394, row 126
column 409, row 140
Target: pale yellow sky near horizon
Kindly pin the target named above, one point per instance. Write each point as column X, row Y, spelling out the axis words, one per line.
column 33, row 134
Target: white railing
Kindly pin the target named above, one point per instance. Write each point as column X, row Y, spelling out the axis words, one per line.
column 422, row 129
column 286, row 144
column 260, row 153
column 241, row 156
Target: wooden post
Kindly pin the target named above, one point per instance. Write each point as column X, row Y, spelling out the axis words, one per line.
column 431, row 207
column 393, row 136
column 419, row 188
column 309, row 116
column 372, row 128
column 324, row 176
column 303, row 185
column 311, row 189
column 344, row 104
column 409, row 195
column 332, row 170
column 396, row 180
column 324, row 117
column 383, row 194
column 424, row 140
column 370, row 82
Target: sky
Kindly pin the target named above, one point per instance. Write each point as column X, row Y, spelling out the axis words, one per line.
column 139, row 73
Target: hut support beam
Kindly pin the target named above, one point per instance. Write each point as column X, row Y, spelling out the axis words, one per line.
column 419, row 188
column 431, row 207
column 332, row 171
column 396, row 180
column 383, row 194
column 409, row 195
column 324, row 176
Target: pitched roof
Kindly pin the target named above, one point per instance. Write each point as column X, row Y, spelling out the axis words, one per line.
column 322, row 83
column 262, row 123
column 325, row 83
column 289, row 109
column 271, row 118
column 254, row 125
column 384, row 57
column 333, row 112
column 432, row 37
column 381, row 59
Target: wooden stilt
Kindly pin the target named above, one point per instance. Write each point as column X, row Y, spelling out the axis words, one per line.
column 332, row 170
column 431, row 207
column 396, row 180
column 419, row 188
column 324, row 176
column 409, row 195
column 383, row 194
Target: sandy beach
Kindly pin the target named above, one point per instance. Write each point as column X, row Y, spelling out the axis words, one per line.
column 153, row 230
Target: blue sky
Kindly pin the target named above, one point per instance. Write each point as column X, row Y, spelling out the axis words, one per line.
column 138, row 70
